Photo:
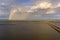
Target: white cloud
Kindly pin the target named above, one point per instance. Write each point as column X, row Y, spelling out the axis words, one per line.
column 46, row 5
column 19, row 12
column 51, row 12
column 42, row 5
column 12, row 12
column 2, row 3
column 58, row 5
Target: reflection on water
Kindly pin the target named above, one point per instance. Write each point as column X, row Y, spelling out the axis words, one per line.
column 20, row 30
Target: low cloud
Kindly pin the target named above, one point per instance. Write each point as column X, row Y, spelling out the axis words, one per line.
column 41, row 7
column 51, row 12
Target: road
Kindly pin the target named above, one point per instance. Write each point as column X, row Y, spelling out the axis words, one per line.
column 28, row 31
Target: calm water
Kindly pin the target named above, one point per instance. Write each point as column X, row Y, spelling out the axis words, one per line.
column 27, row 31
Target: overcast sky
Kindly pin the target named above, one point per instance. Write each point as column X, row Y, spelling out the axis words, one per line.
column 37, row 9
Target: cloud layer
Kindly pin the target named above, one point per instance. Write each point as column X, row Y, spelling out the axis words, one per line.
column 30, row 9
column 41, row 9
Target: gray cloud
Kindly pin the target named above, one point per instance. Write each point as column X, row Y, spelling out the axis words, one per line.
column 5, row 6
column 42, row 9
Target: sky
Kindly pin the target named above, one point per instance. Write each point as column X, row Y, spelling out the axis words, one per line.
column 29, row 9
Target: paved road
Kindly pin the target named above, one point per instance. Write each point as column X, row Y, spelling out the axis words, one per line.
column 28, row 31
